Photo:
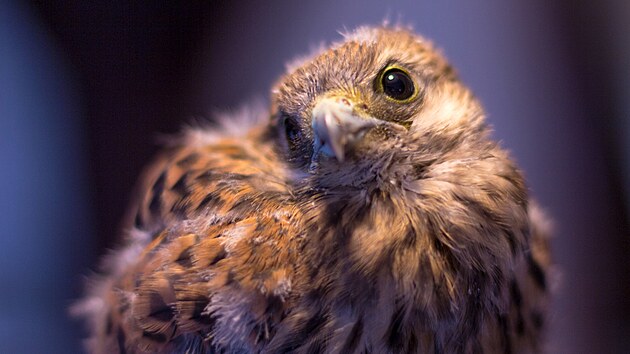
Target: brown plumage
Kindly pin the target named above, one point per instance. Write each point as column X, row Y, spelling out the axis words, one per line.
column 368, row 211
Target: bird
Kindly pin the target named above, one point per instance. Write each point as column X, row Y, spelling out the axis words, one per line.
column 365, row 209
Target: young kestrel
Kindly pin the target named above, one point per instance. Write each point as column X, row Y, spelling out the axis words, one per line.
column 367, row 211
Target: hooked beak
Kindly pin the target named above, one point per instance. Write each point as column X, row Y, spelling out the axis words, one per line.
column 336, row 126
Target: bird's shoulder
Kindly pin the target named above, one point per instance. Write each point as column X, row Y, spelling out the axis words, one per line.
column 194, row 176
column 212, row 229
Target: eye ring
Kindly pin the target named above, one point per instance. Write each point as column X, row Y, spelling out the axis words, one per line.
column 397, row 85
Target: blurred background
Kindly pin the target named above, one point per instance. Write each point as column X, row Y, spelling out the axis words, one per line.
column 85, row 89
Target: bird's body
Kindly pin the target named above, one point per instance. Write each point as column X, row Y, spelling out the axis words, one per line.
column 368, row 211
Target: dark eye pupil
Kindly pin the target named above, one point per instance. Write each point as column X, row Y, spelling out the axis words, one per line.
column 397, row 84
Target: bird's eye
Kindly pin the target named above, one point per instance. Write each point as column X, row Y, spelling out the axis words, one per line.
column 397, row 84
column 292, row 132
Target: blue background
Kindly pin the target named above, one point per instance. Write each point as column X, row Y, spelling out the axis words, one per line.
column 86, row 88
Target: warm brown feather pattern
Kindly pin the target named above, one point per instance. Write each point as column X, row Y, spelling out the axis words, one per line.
column 415, row 236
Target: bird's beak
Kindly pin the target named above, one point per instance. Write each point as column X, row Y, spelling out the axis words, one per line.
column 337, row 125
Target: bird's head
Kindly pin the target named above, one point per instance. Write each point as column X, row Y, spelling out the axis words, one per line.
column 382, row 98
column 398, row 170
